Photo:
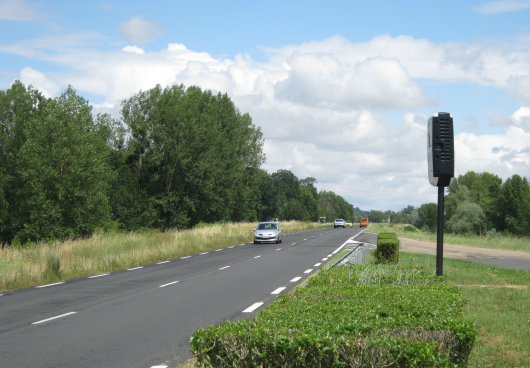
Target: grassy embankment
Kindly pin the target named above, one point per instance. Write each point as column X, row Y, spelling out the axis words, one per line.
column 497, row 241
column 107, row 252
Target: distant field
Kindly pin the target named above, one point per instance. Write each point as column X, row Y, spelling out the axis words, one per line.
column 107, row 252
column 497, row 241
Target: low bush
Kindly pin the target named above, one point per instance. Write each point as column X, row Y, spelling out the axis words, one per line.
column 387, row 248
column 343, row 318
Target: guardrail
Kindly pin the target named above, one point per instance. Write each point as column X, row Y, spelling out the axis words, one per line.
column 357, row 255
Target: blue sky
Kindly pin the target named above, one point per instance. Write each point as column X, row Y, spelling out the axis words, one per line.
column 341, row 89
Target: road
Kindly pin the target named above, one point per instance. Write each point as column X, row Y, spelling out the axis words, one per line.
column 143, row 317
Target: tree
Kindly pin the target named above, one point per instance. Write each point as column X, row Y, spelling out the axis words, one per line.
column 332, row 206
column 468, row 219
column 427, row 216
column 514, row 205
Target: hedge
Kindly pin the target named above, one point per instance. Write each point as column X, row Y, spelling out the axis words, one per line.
column 349, row 316
column 387, row 248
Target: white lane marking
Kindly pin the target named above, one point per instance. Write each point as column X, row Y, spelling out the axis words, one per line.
column 279, row 290
column 325, row 259
column 204, row 253
column 309, row 270
column 159, row 366
column 233, row 246
column 257, row 257
column 317, row 264
column 162, row 262
column 135, row 268
column 346, row 242
column 253, row 307
column 1, row 294
column 185, row 257
column 218, row 250
column 224, row 268
column 96, row 276
column 169, row 283
column 52, row 318
column 305, row 239
column 297, row 278
column 329, row 255
column 242, row 244
column 277, row 249
column 47, row 285
column 293, row 244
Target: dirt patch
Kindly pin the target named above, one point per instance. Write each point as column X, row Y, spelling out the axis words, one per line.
column 460, row 251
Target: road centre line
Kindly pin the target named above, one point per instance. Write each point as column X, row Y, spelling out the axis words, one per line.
column 253, row 307
column 96, row 276
column 309, row 270
column 224, row 268
column 297, row 278
column 52, row 318
column 169, row 283
column 135, row 268
column 162, row 262
column 279, row 290
column 48, row 285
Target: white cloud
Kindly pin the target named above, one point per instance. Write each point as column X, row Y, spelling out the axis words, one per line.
column 503, row 6
column 133, row 50
column 18, row 10
column 140, row 30
column 37, row 79
column 522, row 118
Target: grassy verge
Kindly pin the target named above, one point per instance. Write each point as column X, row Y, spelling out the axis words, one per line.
column 498, row 301
column 107, row 252
column 497, row 241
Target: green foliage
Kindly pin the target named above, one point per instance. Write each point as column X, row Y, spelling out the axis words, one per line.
column 468, row 218
column 334, row 206
column 387, row 248
column 337, row 321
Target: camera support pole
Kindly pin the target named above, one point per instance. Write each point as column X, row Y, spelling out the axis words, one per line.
column 440, row 233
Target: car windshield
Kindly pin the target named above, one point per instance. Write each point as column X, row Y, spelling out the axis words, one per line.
column 339, row 220
column 267, row 226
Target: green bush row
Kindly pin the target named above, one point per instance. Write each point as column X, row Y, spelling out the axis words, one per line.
column 387, row 248
column 346, row 318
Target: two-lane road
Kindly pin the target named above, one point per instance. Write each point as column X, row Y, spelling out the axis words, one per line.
column 144, row 316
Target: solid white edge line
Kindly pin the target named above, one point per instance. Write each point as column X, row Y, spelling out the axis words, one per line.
column 317, row 264
column 52, row 318
column 169, row 283
column 309, row 270
column 297, row 278
column 279, row 290
column 256, row 257
column 96, row 276
column 48, row 285
column 135, row 268
column 162, row 262
column 253, row 307
column 224, row 268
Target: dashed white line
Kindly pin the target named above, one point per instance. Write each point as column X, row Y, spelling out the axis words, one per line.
column 296, row 279
column 242, row 244
column 279, row 290
column 253, row 307
column 52, row 318
column 135, row 268
column 185, row 257
column 169, row 283
column 1, row 294
column 232, row 246
column 305, row 239
column 277, row 249
column 293, row 244
column 159, row 366
column 96, row 276
column 317, row 264
column 218, row 250
column 325, row 259
column 203, row 253
column 330, row 255
column 309, row 270
column 256, row 257
column 224, row 268
column 162, row 262
column 48, row 285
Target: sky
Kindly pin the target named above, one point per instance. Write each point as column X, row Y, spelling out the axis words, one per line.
column 342, row 90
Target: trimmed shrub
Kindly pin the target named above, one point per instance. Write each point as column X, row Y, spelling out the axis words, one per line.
column 337, row 320
column 387, row 248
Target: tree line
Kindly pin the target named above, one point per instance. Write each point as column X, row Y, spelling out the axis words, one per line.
column 176, row 157
column 475, row 203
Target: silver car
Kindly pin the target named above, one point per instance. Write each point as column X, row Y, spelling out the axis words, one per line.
column 268, row 232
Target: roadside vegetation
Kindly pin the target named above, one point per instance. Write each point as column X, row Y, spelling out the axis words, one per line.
column 111, row 251
column 493, row 240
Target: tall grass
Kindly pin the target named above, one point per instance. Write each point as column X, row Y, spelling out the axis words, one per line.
column 107, row 252
column 493, row 241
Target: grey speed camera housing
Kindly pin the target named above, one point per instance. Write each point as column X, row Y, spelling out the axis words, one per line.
column 440, row 149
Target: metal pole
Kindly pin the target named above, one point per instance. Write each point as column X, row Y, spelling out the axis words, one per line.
column 440, row 232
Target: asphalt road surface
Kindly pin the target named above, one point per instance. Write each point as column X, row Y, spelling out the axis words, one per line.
column 143, row 317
